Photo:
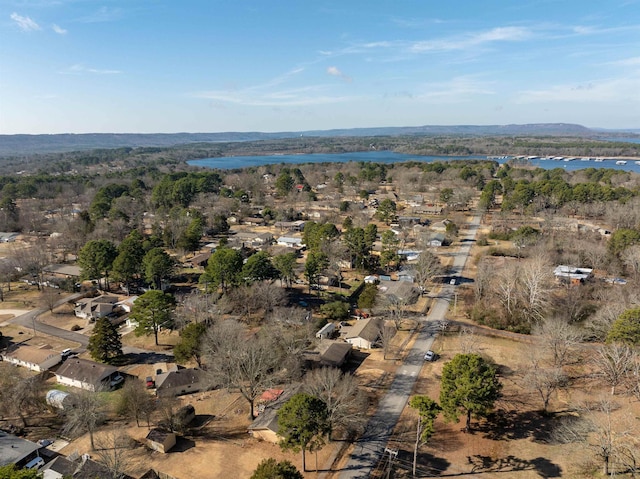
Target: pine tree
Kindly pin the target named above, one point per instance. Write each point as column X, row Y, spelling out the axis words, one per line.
column 105, row 344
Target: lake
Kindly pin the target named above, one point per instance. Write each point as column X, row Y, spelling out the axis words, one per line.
column 232, row 162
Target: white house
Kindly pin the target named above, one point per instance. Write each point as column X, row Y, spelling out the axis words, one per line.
column 289, row 242
column 364, row 333
column 32, row 357
column 85, row 374
column 95, row 308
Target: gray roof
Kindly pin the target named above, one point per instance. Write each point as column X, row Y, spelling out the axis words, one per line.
column 65, row 269
column 178, row 378
column 13, row 448
column 85, row 371
column 368, row 329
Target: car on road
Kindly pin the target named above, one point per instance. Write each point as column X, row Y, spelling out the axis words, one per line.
column 430, row 356
column 453, row 281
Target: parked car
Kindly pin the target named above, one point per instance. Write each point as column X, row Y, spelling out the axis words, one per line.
column 430, row 356
column 150, row 383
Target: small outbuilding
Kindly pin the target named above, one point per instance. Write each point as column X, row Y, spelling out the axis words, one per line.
column 326, row 332
column 160, row 440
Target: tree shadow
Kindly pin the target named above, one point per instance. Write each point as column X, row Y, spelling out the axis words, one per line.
column 356, row 359
column 482, row 464
column 426, row 464
column 510, row 425
column 147, row 357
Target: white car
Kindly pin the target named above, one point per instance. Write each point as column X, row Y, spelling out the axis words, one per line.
column 453, row 281
column 430, row 356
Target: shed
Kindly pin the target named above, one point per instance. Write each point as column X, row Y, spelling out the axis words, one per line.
column 160, row 440
column 327, row 331
column 59, row 399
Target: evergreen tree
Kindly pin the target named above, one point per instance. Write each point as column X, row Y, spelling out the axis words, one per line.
column 223, row 268
column 189, row 346
column 469, row 386
column 105, row 343
column 303, row 423
column 272, row 469
column 626, row 329
column 157, row 265
column 96, row 259
column 152, row 311
column 259, row 268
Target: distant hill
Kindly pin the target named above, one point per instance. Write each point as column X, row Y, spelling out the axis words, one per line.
column 19, row 145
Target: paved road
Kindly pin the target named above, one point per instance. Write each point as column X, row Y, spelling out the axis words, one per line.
column 30, row 320
column 369, row 448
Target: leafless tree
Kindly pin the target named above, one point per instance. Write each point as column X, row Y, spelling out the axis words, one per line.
column 631, row 259
column 166, row 413
column 346, row 404
column 506, row 287
column 114, row 451
column 605, row 435
column 545, row 381
column 535, row 276
column 197, row 307
column 396, row 308
column 387, row 333
column 86, row 415
column 136, row 402
column 559, row 340
column 469, row 341
column 238, row 359
column 613, row 362
column 483, row 280
column 425, row 268
column 21, row 396
column 49, row 297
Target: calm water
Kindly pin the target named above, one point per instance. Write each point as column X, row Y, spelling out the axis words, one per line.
column 231, row 162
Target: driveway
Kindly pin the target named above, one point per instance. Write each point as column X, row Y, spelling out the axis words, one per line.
column 370, row 447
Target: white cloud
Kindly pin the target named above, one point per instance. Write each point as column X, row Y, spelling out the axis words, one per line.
column 81, row 69
column 627, row 62
column 25, row 24
column 334, row 71
column 456, row 90
column 59, row 30
column 499, row 34
column 609, row 90
column 103, row 14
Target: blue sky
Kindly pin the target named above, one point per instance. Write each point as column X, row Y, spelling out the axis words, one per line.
column 80, row 66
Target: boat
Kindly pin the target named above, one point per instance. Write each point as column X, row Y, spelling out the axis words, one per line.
column 638, row 163
column 621, row 162
column 598, row 160
column 585, row 159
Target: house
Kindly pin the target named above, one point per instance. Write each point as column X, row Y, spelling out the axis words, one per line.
column 265, row 426
column 364, row 333
column 85, row 374
column 159, row 440
column 290, row 225
column 199, row 260
column 400, row 292
column 328, row 353
column 436, row 240
column 35, row 358
column 76, row 467
column 95, row 308
column 572, row 274
column 62, row 271
column 15, row 450
column 180, row 381
column 326, row 331
column 289, row 242
column 126, row 305
column 253, row 221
